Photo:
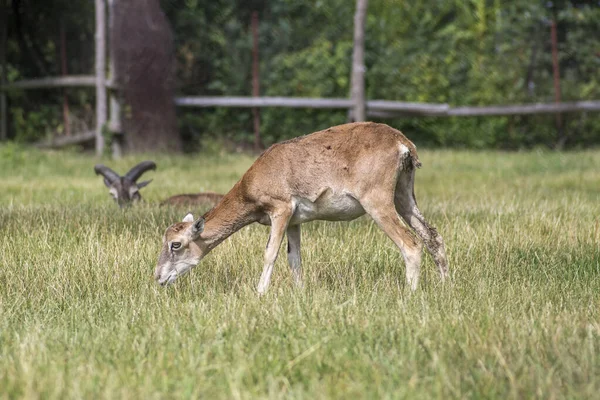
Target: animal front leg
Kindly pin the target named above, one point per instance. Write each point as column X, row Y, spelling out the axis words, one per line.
column 278, row 227
column 293, row 253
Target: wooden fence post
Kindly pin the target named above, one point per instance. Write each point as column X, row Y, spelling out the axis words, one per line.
column 358, row 61
column 100, row 75
column 115, row 124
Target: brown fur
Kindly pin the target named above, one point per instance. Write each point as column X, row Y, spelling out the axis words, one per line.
column 341, row 172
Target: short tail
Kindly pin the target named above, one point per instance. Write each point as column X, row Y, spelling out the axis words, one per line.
column 411, row 160
column 415, row 159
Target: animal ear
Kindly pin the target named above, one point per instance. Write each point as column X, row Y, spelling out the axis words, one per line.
column 132, row 190
column 188, row 218
column 142, row 184
column 198, row 227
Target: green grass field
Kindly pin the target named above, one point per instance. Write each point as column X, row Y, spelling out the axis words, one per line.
column 81, row 317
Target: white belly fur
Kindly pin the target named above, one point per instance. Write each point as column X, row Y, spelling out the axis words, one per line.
column 328, row 206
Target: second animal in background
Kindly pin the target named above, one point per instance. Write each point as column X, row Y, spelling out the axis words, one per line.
column 125, row 190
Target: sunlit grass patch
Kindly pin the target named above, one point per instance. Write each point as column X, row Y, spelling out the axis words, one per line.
column 81, row 316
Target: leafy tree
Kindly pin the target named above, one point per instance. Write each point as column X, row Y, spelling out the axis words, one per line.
column 475, row 52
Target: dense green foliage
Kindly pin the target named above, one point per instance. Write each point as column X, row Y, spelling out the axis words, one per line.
column 33, row 51
column 82, row 317
column 477, row 52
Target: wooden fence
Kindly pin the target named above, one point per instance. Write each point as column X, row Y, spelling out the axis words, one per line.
column 374, row 108
column 389, row 109
column 356, row 104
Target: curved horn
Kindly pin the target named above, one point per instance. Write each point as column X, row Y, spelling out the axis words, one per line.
column 137, row 171
column 109, row 175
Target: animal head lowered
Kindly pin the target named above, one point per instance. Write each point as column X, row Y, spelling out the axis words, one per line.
column 125, row 190
column 182, row 249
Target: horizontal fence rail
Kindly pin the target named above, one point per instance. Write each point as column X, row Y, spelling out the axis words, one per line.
column 389, row 109
column 54, row 82
column 521, row 109
column 408, row 108
column 290, row 102
column 375, row 108
column 62, row 141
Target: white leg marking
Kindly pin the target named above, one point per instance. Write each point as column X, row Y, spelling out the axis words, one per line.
column 412, row 259
column 265, row 279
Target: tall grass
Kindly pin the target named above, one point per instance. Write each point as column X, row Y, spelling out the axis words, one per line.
column 80, row 315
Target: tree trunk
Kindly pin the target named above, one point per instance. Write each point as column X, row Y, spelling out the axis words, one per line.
column 114, row 100
column 358, row 61
column 142, row 44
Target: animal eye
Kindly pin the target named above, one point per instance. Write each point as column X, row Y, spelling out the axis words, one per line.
column 175, row 245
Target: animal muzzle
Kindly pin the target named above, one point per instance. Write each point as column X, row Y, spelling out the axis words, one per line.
column 165, row 277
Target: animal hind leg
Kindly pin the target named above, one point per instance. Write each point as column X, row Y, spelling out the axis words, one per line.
column 385, row 216
column 406, row 205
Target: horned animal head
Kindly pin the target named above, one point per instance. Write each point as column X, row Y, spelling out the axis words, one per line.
column 125, row 190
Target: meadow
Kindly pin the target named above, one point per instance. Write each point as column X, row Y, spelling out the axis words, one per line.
column 81, row 317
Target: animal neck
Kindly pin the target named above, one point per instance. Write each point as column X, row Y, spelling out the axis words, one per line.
column 230, row 215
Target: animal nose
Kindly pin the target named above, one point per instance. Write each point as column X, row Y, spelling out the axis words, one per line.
column 160, row 277
column 162, row 281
